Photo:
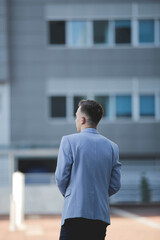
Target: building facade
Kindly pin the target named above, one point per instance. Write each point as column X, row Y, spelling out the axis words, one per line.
column 4, row 76
column 63, row 51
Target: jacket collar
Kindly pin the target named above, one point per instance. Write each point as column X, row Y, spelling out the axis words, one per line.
column 90, row 130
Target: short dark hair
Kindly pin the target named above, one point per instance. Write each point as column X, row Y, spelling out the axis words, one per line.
column 93, row 110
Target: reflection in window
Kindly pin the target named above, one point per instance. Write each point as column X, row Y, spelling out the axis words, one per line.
column 100, row 29
column 146, row 31
column 104, row 101
column 57, row 32
column 79, row 33
column 147, row 106
column 123, row 31
column 77, row 99
column 123, row 106
column 58, row 106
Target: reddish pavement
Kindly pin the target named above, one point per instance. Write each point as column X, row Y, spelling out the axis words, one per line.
column 47, row 227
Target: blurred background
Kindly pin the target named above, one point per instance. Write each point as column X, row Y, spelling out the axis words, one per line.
column 54, row 53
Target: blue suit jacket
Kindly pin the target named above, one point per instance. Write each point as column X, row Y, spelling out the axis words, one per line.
column 87, row 173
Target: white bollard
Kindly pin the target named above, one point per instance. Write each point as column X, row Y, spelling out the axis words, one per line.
column 17, row 202
column 12, row 225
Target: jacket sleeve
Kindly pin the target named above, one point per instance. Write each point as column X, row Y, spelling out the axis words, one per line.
column 115, row 183
column 64, row 165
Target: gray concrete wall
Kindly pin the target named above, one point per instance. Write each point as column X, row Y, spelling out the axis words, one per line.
column 33, row 62
column 3, row 42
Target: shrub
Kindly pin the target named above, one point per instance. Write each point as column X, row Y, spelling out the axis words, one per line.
column 145, row 190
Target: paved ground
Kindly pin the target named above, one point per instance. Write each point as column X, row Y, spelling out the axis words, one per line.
column 128, row 223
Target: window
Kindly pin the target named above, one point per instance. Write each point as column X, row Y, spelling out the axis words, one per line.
column 146, row 31
column 58, row 106
column 123, row 106
column 78, row 33
column 123, row 31
column 77, row 99
column 100, row 31
column 147, row 106
column 104, row 101
column 57, row 32
column 81, row 33
column 37, row 170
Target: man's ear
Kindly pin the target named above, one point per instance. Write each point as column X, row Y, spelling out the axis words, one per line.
column 83, row 120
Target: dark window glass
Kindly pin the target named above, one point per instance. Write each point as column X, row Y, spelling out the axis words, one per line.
column 123, row 31
column 57, row 32
column 77, row 99
column 123, row 106
column 58, row 106
column 100, row 29
column 147, row 106
column 104, row 101
column 37, row 170
column 146, row 31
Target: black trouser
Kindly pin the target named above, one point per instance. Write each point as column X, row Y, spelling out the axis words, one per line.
column 83, row 229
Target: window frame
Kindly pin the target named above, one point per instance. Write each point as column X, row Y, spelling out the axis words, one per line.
column 109, row 32
column 65, row 28
column 50, row 105
column 70, row 34
column 134, row 38
column 141, row 117
column 124, row 117
column 123, row 44
column 154, row 33
column 112, row 117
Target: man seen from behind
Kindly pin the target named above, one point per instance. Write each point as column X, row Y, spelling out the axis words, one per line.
column 87, row 174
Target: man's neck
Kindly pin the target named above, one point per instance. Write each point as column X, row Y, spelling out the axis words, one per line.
column 87, row 126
